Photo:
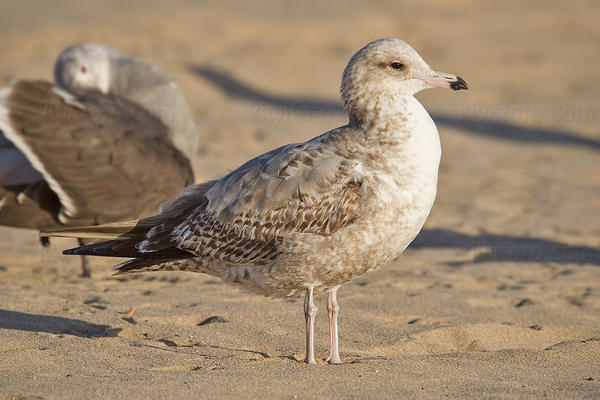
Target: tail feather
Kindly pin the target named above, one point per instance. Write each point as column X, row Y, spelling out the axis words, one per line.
column 125, row 230
column 95, row 249
column 141, row 265
column 117, row 248
column 120, row 239
column 115, row 231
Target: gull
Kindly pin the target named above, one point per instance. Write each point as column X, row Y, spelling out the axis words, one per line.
column 307, row 217
column 109, row 141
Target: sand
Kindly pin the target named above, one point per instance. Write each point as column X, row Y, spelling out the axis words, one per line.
column 499, row 297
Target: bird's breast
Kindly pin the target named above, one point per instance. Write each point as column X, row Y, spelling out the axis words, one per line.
column 397, row 211
column 399, row 191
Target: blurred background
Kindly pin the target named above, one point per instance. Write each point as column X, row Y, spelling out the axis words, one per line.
column 520, row 148
column 518, row 210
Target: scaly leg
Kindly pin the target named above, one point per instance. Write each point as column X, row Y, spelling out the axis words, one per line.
column 85, row 268
column 310, row 312
column 332, row 313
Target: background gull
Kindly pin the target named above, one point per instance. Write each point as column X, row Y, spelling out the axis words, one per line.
column 307, row 217
column 109, row 141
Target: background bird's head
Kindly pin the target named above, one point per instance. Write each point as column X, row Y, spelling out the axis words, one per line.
column 84, row 66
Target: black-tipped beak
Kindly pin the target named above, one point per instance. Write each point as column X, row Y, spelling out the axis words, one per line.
column 459, row 84
column 445, row 80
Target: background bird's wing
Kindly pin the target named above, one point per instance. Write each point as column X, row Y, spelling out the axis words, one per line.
column 33, row 206
column 26, row 201
column 107, row 159
column 148, row 85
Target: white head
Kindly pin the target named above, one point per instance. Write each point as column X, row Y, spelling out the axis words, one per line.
column 386, row 69
column 84, row 66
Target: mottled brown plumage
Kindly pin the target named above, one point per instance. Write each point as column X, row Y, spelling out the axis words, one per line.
column 301, row 189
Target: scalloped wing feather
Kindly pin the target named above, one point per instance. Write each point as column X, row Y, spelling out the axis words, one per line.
column 245, row 216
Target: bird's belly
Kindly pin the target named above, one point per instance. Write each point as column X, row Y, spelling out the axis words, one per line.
column 393, row 220
column 385, row 227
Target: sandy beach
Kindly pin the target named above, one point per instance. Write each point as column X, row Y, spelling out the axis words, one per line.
column 498, row 297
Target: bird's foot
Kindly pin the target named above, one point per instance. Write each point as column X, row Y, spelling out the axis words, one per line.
column 310, row 360
column 334, row 360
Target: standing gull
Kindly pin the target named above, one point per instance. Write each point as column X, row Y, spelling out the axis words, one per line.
column 307, row 217
column 109, row 141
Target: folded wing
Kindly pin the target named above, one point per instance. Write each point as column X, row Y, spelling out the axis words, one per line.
column 294, row 189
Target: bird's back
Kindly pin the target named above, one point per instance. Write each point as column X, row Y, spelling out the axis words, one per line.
column 157, row 92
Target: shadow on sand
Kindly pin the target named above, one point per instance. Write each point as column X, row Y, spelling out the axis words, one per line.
column 46, row 323
column 508, row 248
column 234, row 88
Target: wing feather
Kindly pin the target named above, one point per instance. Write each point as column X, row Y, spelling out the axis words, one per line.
column 110, row 160
column 244, row 217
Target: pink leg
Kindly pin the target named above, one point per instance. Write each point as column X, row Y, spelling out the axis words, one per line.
column 332, row 313
column 310, row 312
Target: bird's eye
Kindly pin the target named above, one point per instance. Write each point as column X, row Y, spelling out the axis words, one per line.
column 397, row 65
column 83, row 69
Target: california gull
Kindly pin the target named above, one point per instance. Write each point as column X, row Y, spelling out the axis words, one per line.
column 307, row 217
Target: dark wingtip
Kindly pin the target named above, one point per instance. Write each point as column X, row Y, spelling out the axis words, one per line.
column 459, row 84
column 71, row 252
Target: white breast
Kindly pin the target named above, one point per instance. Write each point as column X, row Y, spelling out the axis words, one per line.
column 404, row 191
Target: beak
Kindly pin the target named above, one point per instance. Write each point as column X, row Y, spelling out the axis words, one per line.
column 445, row 80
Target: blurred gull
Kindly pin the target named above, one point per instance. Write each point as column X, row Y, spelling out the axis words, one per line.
column 308, row 217
column 109, row 141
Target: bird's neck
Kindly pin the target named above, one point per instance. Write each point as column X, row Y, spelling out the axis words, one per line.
column 382, row 115
column 404, row 133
